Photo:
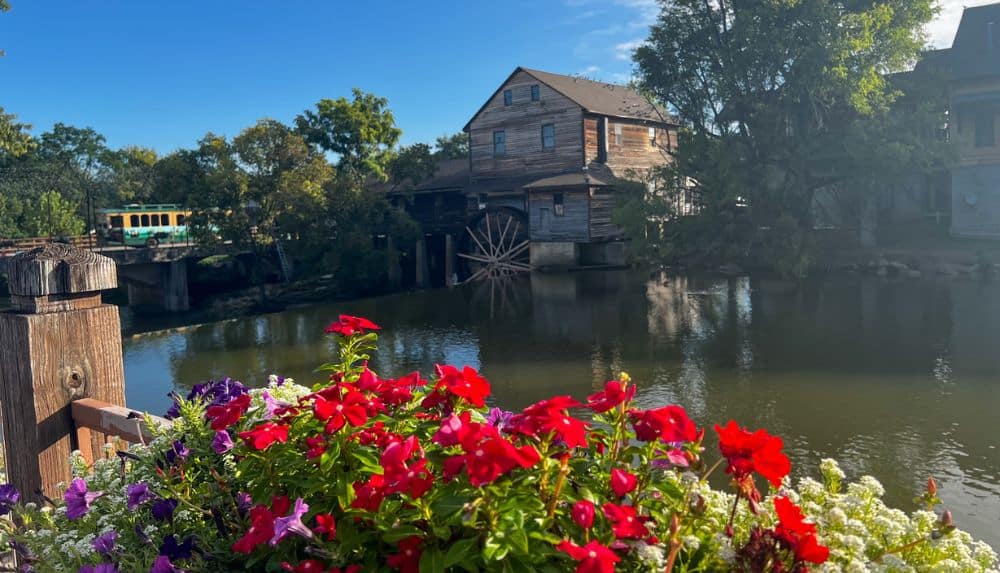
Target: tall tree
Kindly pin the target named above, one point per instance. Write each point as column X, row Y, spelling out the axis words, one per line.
column 362, row 133
column 53, row 216
column 783, row 99
column 455, row 146
column 413, row 163
column 132, row 174
column 14, row 137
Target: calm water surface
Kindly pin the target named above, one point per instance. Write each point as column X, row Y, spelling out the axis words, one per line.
column 900, row 380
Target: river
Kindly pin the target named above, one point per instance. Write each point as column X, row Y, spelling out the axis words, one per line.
column 898, row 379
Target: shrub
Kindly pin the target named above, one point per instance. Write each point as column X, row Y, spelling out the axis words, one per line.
column 367, row 473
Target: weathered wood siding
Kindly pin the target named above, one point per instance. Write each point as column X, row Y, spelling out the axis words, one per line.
column 573, row 225
column 522, row 122
column 633, row 152
column 602, row 207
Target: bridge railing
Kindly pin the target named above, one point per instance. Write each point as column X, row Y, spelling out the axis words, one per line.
column 62, row 381
column 10, row 247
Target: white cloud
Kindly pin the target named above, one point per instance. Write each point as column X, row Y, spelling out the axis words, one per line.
column 589, row 71
column 647, row 10
column 941, row 31
column 623, row 51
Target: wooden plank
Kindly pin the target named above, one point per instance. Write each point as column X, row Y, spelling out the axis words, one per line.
column 49, row 360
column 125, row 423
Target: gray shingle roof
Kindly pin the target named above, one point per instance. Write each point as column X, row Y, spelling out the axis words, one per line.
column 975, row 50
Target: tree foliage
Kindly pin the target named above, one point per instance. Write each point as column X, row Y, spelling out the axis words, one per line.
column 362, row 133
column 455, row 146
column 784, row 100
column 413, row 163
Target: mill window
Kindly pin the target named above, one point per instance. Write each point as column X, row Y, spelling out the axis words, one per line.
column 618, row 134
column 499, row 142
column 508, row 97
column 558, row 208
column 652, row 136
column 535, row 93
column 548, row 136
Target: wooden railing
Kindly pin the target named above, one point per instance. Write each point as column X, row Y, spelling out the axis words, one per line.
column 62, row 382
column 10, row 247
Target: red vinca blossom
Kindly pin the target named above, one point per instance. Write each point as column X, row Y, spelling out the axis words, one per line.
column 582, row 513
column 348, row 325
column 401, row 476
column 369, row 495
column 352, row 409
column 325, row 525
column 225, row 415
column 668, row 424
column 748, row 452
column 593, row 557
column 615, row 393
column 622, row 482
column 465, row 383
column 798, row 534
column 550, row 417
column 625, row 523
column 260, row 532
column 408, row 558
column 261, row 437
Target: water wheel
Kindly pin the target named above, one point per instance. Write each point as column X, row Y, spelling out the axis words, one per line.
column 496, row 244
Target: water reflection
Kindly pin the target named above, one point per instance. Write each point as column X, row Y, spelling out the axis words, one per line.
column 896, row 379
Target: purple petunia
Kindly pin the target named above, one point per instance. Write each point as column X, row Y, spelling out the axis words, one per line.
column 100, row 568
column 105, row 543
column 210, row 393
column 164, row 509
column 222, row 442
column 177, row 451
column 499, row 418
column 78, row 499
column 137, row 494
column 9, row 497
column 174, row 550
column 243, row 502
column 163, row 565
column 292, row 523
column 271, row 405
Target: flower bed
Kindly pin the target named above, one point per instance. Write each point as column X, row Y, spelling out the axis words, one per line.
column 362, row 473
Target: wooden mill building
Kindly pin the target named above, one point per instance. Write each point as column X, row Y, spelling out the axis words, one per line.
column 546, row 154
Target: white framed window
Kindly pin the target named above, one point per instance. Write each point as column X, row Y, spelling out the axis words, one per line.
column 652, row 136
column 499, row 142
column 548, row 136
column 618, row 134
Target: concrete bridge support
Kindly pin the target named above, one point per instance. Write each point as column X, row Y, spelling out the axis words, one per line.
column 161, row 285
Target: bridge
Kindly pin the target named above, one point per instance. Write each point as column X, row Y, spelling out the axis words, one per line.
column 152, row 277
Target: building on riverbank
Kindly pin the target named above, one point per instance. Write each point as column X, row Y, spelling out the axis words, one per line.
column 547, row 155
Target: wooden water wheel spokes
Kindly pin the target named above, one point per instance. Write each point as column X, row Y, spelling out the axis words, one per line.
column 497, row 246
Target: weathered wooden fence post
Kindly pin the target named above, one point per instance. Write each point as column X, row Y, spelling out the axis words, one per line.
column 58, row 343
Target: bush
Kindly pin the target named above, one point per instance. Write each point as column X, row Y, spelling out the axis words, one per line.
column 365, row 473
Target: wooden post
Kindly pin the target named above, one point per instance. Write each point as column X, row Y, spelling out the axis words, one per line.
column 422, row 271
column 58, row 343
column 449, row 260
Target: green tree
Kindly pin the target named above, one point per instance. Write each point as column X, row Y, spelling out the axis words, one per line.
column 454, row 146
column 132, row 174
column 54, row 216
column 784, row 100
column 362, row 133
column 14, row 137
column 414, row 163
column 179, row 177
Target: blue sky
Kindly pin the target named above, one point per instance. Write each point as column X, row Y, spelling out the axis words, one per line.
column 162, row 74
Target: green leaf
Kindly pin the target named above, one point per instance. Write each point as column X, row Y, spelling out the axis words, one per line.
column 460, row 551
column 432, row 561
column 397, row 534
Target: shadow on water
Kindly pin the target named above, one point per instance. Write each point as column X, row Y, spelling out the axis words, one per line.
column 896, row 379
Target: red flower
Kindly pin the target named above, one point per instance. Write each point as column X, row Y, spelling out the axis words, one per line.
column 593, row 557
column 551, row 417
column 797, row 533
column 583, row 513
column 348, row 325
column 352, row 409
column 625, row 523
column 622, row 482
column 261, row 437
column 408, row 558
column 307, row 566
column 260, row 532
column 400, row 475
column 316, row 446
column 325, row 524
column 487, row 455
column 614, row 394
column 467, row 384
column 669, row 424
column 369, row 495
column 225, row 415
column 747, row 452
